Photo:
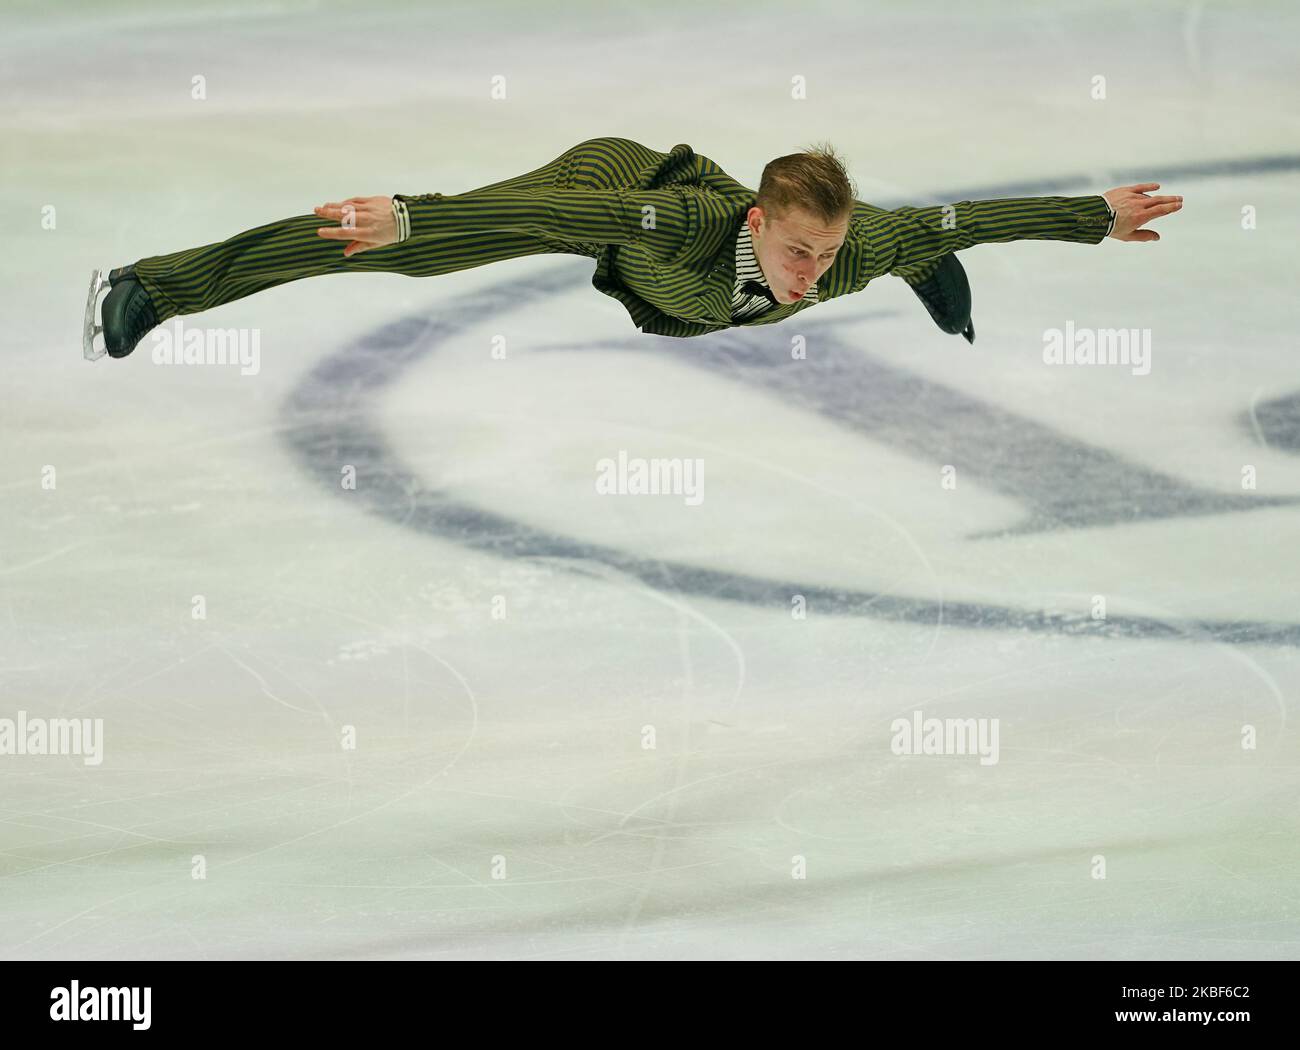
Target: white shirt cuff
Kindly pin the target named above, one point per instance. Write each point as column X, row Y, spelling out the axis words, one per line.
column 403, row 219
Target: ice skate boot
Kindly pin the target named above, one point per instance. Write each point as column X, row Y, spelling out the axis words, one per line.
column 127, row 314
column 946, row 294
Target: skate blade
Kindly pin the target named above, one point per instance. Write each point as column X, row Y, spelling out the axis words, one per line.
column 97, row 282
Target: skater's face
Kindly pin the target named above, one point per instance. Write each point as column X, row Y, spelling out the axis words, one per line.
column 794, row 249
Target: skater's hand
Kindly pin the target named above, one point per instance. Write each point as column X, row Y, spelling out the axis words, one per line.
column 1133, row 209
column 364, row 222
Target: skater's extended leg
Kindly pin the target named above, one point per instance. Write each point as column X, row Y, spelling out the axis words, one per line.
column 160, row 287
column 197, row 279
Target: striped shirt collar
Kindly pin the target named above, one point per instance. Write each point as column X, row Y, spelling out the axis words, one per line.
column 743, row 304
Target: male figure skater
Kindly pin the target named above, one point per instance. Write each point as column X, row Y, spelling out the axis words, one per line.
column 686, row 248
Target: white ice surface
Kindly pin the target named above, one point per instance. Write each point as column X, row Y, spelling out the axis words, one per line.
column 482, row 741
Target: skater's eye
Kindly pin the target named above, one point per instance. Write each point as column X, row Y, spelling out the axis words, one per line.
column 825, row 255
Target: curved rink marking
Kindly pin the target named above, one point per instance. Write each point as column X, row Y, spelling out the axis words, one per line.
column 329, row 421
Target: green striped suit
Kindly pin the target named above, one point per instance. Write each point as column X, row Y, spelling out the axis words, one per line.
column 661, row 227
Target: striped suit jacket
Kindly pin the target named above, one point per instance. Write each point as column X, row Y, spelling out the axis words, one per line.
column 662, row 228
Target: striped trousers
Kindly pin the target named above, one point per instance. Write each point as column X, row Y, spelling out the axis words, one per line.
column 196, row 279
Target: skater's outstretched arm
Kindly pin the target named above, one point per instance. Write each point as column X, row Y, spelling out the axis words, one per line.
column 905, row 237
column 658, row 221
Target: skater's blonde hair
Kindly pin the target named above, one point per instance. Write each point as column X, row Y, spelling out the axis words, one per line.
column 814, row 180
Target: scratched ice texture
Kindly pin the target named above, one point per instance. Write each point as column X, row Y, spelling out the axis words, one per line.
column 470, row 707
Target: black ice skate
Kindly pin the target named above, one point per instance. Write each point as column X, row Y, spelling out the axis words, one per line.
column 127, row 314
column 946, row 294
